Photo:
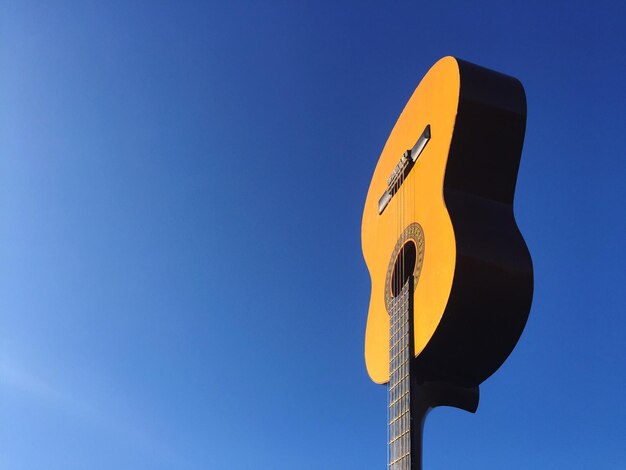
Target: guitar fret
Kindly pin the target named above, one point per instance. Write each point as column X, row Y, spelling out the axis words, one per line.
column 401, row 456
column 399, row 382
column 399, row 459
column 399, row 410
column 405, row 412
column 400, row 352
column 400, row 436
column 400, row 366
column 398, row 320
column 400, row 398
column 399, row 334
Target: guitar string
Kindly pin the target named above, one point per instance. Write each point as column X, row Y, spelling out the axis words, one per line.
column 388, row 446
column 406, row 340
column 399, row 450
column 407, row 421
column 405, row 336
column 405, row 274
column 406, row 266
column 401, row 430
column 394, row 435
column 410, row 310
column 398, row 311
column 391, row 320
column 395, row 319
column 392, row 332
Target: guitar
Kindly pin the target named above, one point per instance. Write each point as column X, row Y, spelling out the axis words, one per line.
column 451, row 276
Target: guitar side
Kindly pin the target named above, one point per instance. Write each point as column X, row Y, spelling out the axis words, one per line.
column 492, row 289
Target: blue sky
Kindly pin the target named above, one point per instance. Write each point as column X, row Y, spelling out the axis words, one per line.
column 181, row 187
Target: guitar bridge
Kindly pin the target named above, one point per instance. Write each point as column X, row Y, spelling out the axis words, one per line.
column 403, row 168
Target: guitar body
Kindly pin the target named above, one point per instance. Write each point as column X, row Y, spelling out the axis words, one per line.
column 472, row 273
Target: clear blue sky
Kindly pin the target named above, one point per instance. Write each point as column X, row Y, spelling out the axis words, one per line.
column 181, row 187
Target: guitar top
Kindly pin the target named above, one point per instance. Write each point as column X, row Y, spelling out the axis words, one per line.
column 440, row 210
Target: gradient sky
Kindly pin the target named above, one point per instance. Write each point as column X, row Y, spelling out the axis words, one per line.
column 181, row 190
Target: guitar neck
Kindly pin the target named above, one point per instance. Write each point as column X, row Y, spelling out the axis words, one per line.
column 400, row 353
column 409, row 399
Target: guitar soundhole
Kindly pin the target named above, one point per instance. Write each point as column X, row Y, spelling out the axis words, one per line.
column 403, row 267
column 405, row 260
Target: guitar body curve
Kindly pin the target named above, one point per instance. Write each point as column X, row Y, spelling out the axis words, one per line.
column 473, row 288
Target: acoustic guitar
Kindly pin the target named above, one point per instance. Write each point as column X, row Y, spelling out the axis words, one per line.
column 450, row 273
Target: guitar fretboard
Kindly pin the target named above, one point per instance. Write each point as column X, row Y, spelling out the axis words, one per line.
column 399, row 382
